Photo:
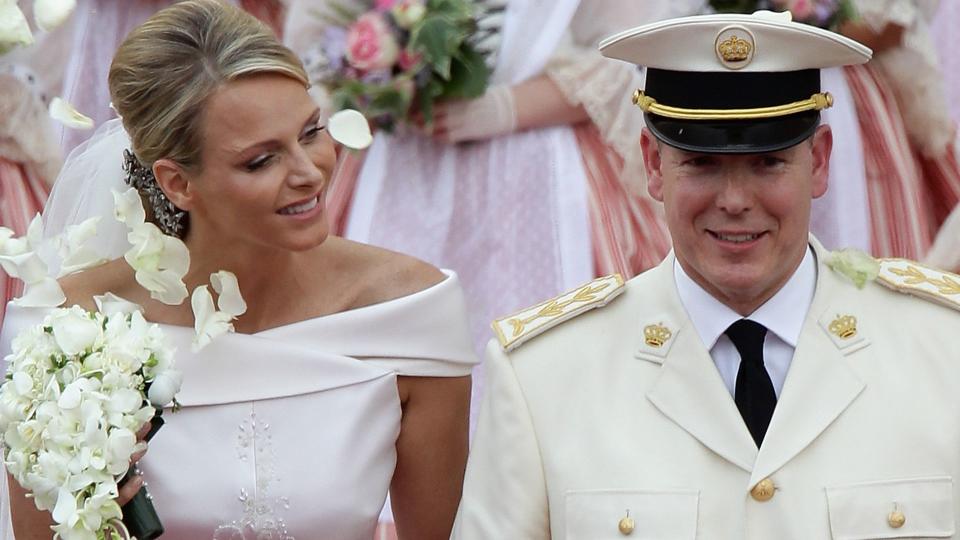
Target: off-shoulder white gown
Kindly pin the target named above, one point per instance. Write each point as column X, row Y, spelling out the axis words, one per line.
column 291, row 432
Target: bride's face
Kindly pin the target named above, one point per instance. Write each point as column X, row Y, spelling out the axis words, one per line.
column 266, row 163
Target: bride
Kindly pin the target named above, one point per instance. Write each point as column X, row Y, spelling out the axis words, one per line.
column 349, row 372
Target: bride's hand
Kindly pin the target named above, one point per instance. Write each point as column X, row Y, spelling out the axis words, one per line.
column 135, row 482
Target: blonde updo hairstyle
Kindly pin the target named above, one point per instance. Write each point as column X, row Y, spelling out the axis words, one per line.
column 167, row 69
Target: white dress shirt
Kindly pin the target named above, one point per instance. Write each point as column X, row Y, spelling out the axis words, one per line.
column 782, row 315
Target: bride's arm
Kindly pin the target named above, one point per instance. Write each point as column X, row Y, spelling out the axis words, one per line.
column 28, row 522
column 431, row 455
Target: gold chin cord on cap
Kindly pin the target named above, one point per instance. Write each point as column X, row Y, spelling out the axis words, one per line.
column 817, row 102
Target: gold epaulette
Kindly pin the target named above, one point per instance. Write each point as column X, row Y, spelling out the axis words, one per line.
column 516, row 329
column 914, row 278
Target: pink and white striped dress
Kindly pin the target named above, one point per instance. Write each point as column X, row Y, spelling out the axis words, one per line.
column 22, row 196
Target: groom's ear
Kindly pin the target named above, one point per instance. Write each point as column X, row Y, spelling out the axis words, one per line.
column 174, row 182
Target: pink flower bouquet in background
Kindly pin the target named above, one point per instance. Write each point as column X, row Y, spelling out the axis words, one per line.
column 823, row 13
column 387, row 58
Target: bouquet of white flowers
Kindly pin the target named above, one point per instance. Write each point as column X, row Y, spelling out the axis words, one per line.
column 69, row 413
column 79, row 385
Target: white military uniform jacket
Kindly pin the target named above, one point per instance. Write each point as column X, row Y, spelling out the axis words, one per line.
column 594, row 420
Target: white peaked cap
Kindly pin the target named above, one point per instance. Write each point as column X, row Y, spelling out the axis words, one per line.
column 693, row 44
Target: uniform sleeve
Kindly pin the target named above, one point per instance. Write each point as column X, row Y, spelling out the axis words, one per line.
column 504, row 492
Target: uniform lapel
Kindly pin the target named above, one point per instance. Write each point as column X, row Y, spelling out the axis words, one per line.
column 689, row 390
column 820, row 384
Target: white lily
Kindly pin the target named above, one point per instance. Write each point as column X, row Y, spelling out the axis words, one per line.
column 66, row 114
column 50, row 14
column 350, row 128
column 14, row 30
column 73, row 247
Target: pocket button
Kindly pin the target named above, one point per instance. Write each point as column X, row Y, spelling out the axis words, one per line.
column 896, row 519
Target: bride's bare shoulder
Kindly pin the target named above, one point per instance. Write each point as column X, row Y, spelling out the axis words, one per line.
column 382, row 275
column 114, row 277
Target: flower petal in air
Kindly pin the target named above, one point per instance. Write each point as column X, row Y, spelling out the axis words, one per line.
column 111, row 304
column 74, row 248
column 63, row 112
column 50, row 14
column 208, row 323
column 856, row 265
column 14, row 30
column 46, row 293
column 128, row 207
column 351, row 129
column 175, row 256
column 164, row 285
column 229, row 300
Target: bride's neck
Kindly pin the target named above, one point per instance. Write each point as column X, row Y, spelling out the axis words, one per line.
column 257, row 267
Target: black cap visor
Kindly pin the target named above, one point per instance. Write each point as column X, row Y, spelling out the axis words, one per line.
column 734, row 136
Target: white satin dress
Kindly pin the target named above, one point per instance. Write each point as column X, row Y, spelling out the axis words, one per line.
column 291, row 432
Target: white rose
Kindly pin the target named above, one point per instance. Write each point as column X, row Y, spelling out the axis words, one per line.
column 74, row 330
column 165, row 387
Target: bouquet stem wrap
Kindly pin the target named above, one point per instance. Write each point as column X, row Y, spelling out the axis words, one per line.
column 139, row 515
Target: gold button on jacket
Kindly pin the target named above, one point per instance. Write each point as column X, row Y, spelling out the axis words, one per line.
column 763, row 491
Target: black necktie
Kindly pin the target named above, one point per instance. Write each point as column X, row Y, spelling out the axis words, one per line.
column 754, row 392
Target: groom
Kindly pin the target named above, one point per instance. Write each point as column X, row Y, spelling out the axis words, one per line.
column 754, row 385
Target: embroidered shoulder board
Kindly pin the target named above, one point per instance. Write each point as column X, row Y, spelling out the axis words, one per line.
column 920, row 280
column 516, row 329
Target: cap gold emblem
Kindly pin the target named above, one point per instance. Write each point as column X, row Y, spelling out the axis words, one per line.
column 655, row 335
column 844, row 326
column 735, row 47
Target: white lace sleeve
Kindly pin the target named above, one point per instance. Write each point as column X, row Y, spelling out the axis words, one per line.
column 603, row 86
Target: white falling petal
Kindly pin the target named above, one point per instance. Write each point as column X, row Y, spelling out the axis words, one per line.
column 351, row 129
column 49, row 14
column 63, row 112
column 14, row 30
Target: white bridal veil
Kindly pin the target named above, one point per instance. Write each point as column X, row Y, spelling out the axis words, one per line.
column 84, row 189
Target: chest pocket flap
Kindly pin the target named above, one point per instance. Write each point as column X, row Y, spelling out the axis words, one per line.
column 644, row 515
column 903, row 508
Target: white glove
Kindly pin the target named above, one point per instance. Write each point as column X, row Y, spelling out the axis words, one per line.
column 487, row 116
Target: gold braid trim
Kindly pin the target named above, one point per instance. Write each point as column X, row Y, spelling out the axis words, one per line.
column 817, row 102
